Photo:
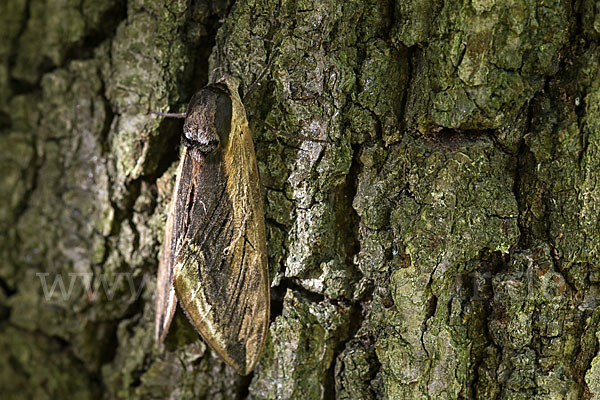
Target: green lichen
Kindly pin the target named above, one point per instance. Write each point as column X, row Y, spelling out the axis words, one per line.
column 355, row 372
column 449, row 203
column 441, row 244
column 592, row 377
column 564, row 151
column 535, row 319
column 414, row 21
column 484, row 61
column 16, row 176
column 384, row 97
column 300, row 350
column 42, row 371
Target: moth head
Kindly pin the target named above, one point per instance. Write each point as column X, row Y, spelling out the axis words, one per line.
column 208, row 120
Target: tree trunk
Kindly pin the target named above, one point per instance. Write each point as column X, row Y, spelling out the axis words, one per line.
column 442, row 244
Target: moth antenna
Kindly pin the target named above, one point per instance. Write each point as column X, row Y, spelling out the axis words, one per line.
column 256, row 82
column 215, row 74
column 290, row 135
column 169, row 115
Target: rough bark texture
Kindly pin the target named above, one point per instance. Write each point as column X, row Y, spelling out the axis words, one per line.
column 444, row 245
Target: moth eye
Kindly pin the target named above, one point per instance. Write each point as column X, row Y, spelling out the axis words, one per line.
column 212, row 144
column 199, row 141
column 206, row 143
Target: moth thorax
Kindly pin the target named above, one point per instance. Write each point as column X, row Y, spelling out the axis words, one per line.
column 208, row 120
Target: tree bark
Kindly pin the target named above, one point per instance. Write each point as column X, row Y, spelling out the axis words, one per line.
column 442, row 244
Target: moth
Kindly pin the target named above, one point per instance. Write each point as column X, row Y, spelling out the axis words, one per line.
column 214, row 258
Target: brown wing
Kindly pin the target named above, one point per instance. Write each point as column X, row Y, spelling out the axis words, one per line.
column 220, row 272
column 166, row 300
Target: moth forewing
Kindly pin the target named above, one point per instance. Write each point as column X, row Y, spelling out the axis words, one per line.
column 166, row 301
column 217, row 256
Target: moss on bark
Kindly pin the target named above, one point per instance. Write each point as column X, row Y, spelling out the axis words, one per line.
column 442, row 244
